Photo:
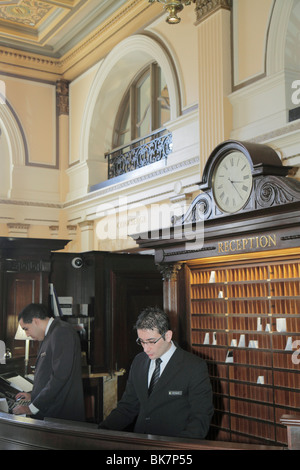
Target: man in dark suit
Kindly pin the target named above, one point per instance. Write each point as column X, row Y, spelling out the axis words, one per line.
column 57, row 389
column 180, row 404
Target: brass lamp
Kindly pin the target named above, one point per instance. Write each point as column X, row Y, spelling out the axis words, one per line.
column 173, row 7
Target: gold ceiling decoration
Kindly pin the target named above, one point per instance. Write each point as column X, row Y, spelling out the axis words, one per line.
column 25, row 12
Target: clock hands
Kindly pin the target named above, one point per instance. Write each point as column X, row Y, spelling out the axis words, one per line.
column 233, row 184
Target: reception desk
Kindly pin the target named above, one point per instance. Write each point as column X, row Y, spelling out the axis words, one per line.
column 20, row 433
column 292, row 424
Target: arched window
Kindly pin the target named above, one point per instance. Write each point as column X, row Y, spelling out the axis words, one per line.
column 144, row 108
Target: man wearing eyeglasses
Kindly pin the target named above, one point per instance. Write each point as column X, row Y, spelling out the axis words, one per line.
column 168, row 391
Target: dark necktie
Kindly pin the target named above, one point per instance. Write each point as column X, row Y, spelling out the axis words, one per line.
column 155, row 375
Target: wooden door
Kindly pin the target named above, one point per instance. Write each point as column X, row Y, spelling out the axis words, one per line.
column 22, row 289
column 131, row 292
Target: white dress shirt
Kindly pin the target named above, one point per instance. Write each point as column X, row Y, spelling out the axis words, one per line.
column 164, row 358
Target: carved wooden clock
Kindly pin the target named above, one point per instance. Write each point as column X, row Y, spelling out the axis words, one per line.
column 240, row 177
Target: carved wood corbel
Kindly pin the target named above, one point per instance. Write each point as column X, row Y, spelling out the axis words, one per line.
column 62, row 97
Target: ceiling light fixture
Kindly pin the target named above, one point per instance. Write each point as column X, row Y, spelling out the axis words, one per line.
column 173, row 7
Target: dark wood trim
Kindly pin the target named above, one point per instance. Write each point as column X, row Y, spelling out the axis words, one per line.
column 17, row 433
column 293, row 430
column 283, row 222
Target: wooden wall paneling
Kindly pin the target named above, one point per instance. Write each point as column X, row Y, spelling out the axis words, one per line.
column 135, row 283
column 131, row 293
column 24, row 278
column 116, row 287
column 22, row 289
column 84, row 285
column 182, row 334
column 98, row 297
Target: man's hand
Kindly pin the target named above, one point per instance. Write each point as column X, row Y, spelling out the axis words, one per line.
column 23, row 396
column 21, row 410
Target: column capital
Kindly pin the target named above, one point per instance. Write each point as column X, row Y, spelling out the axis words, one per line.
column 86, row 224
column 204, row 8
column 169, row 271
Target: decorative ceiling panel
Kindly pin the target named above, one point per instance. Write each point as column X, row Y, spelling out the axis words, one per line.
column 25, row 12
column 51, row 27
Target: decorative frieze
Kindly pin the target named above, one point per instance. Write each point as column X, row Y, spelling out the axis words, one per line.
column 18, row 229
column 205, row 8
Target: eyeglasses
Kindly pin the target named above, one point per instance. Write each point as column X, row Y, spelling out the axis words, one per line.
column 151, row 342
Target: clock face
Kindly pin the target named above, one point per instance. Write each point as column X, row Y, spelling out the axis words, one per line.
column 232, row 182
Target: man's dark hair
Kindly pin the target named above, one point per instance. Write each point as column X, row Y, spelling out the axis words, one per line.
column 151, row 318
column 33, row 311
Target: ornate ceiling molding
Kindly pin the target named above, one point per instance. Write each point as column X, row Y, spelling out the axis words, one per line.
column 204, row 8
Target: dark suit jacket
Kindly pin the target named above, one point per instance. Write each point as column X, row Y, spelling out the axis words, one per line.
column 180, row 404
column 57, row 390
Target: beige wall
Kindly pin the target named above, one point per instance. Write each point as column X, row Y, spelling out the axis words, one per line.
column 34, row 103
column 251, row 24
column 227, row 77
column 182, row 43
column 79, row 90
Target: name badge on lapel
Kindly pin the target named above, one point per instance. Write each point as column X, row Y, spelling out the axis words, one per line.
column 175, row 393
column 43, row 354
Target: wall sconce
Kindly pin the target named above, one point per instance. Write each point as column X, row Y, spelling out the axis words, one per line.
column 173, row 7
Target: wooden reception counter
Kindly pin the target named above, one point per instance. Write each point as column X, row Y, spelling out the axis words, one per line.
column 20, row 433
